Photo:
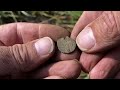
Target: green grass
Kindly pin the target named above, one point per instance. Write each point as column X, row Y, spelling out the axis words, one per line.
column 56, row 17
column 66, row 19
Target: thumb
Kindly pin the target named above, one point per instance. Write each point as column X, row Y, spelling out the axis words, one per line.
column 25, row 57
column 101, row 34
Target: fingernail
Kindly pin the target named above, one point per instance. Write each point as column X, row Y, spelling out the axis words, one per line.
column 44, row 46
column 85, row 40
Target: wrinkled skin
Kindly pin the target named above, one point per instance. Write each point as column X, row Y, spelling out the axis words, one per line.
column 103, row 60
column 15, row 36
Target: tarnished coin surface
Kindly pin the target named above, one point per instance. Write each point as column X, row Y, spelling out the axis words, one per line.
column 66, row 45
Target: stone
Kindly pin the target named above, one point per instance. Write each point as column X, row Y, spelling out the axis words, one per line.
column 66, row 45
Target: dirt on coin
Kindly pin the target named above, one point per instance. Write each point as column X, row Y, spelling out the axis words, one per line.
column 66, row 45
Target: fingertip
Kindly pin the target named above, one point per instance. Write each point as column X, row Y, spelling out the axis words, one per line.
column 44, row 46
column 85, row 39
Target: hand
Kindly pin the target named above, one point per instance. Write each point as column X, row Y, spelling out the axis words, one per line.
column 97, row 34
column 26, row 48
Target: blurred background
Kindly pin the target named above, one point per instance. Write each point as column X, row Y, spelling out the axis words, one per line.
column 65, row 19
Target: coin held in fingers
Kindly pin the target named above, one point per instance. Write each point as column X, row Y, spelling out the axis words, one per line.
column 66, row 45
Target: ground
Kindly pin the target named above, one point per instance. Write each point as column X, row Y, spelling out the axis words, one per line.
column 66, row 19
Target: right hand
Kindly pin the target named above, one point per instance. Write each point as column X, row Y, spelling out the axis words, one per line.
column 97, row 34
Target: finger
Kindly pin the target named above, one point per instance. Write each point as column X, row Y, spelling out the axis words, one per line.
column 61, row 56
column 66, row 69
column 25, row 57
column 88, row 61
column 84, row 20
column 100, row 35
column 1, row 44
column 54, row 77
column 108, row 66
column 18, row 33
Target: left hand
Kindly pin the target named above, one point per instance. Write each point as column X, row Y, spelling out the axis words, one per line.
column 20, row 44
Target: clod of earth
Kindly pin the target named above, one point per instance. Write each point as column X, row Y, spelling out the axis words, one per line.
column 66, row 45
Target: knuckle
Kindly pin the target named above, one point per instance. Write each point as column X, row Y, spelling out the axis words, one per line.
column 6, row 64
column 109, row 28
column 20, row 57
